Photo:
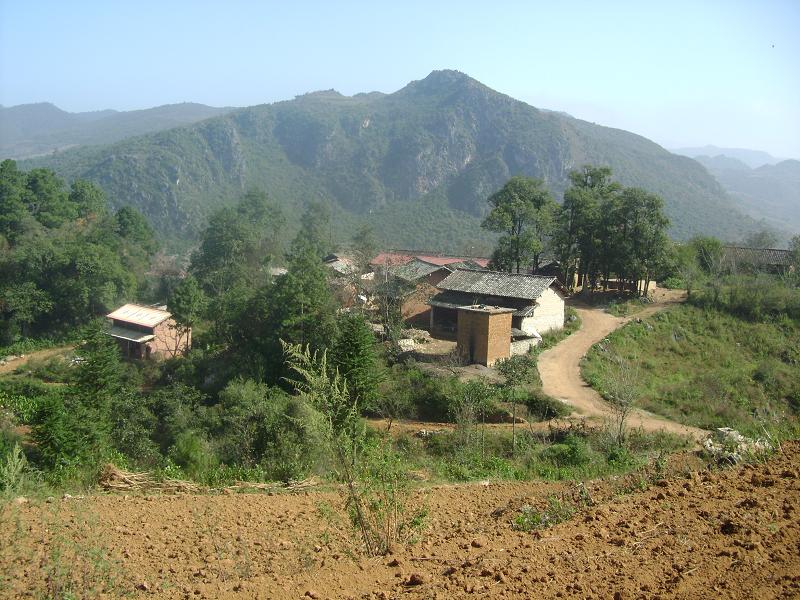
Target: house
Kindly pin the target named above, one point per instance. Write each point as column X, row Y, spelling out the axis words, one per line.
column 414, row 283
column 145, row 331
column 764, row 260
column 536, row 304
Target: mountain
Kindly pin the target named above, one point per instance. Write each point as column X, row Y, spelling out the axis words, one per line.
column 770, row 192
column 752, row 158
column 33, row 129
column 418, row 163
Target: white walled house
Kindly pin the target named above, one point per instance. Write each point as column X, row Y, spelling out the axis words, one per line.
column 537, row 302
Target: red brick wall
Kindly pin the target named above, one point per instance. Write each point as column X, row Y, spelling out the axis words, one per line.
column 168, row 341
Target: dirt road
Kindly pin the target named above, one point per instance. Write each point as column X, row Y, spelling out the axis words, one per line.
column 560, row 370
column 702, row 534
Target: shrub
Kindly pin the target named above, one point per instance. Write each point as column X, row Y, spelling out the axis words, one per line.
column 572, row 452
column 557, row 511
column 193, row 454
column 544, row 407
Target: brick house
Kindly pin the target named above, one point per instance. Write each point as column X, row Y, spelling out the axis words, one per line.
column 535, row 303
column 414, row 283
column 144, row 331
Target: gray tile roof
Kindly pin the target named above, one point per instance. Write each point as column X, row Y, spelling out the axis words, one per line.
column 415, row 269
column 757, row 256
column 494, row 283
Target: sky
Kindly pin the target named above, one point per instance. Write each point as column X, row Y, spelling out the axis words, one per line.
column 680, row 73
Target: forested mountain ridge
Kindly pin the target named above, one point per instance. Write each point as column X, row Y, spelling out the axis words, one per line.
column 418, row 163
column 769, row 192
column 33, row 129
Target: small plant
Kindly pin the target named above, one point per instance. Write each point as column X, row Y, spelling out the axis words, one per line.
column 557, row 511
column 12, row 470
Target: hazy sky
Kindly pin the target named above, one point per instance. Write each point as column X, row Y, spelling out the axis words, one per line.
column 680, row 73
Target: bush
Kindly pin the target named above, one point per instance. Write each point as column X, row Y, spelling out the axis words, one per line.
column 194, row 455
column 544, row 407
column 572, row 452
column 557, row 511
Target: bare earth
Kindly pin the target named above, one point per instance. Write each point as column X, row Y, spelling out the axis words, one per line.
column 13, row 365
column 560, row 371
column 721, row 534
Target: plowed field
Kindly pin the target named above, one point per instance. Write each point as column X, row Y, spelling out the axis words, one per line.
column 731, row 533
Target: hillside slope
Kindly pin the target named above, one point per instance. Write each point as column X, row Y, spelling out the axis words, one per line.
column 770, row 192
column 430, row 153
column 33, row 129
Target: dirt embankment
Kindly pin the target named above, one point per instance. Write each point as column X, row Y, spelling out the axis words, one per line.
column 721, row 534
column 560, row 371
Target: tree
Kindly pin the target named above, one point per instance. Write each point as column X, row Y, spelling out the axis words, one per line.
column 238, row 244
column 76, row 427
column 356, row 356
column 516, row 370
column 687, row 266
column 187, row 304
column 315, row 227
column 297, row 308
column 522, row 211
column 763, row 238
column 584, row 237
column 645, row 234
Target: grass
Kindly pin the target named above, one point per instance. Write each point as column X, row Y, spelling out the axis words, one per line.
column 707, row 368
column 569, row 454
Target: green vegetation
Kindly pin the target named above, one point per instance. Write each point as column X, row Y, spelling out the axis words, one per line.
column 707, row 368
column 604, row 229
column 522, row 211
column 63, row 257
column 417, row 165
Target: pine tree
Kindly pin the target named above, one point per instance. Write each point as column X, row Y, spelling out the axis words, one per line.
column 356, row 357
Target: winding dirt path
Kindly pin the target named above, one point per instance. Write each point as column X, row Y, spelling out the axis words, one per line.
column 560, row 369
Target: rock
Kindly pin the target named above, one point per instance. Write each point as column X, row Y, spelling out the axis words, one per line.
column 20, row 500
column 416, row 579
column 144, row 586
column 478, row 543
column 394, row 563
column 312, row 594
column 729, row 527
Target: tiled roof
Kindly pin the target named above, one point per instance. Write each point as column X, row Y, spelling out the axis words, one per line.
column 420, row 267
column 394, row 259
column 494, row 283
column 139, row 315
column 415, row 269
column 390, row 259
column 522, row 308
column 757, row 256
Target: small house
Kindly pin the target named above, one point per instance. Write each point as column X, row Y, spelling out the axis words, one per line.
column 145, row 331
column 536, row 303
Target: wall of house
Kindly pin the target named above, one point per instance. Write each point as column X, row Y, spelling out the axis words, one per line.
column 168, row 341
column 415, row 310
column 548, row 314
column 443, row 322
column 483, row 337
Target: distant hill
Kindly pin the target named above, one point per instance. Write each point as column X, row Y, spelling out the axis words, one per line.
column 752, row 158
column 34, row 129
column 418, row 163
column 770, row 192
